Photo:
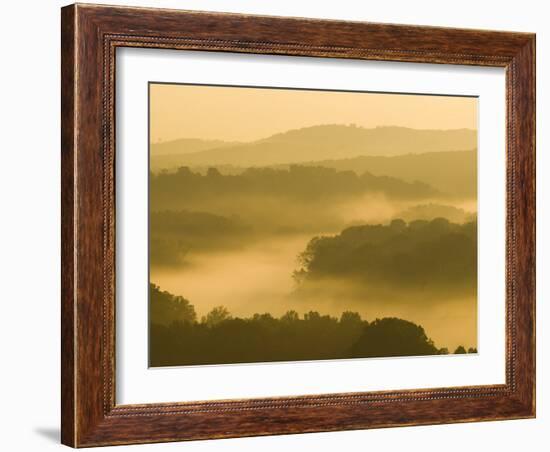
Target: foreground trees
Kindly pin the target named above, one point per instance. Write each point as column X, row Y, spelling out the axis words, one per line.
column 220, row 338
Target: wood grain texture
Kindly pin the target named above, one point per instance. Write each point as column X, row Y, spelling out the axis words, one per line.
column 67, row 224
column 90, row 36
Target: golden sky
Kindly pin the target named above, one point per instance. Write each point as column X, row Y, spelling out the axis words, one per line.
column 247, row 114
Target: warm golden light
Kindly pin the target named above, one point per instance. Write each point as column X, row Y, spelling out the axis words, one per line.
column 291, row 224
column 247, row 114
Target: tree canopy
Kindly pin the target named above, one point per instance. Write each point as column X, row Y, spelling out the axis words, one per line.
column 178, row 338
column 436, row 254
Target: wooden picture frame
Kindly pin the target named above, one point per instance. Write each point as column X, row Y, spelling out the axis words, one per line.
column 90, row 36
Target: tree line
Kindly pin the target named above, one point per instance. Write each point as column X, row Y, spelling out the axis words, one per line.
column 174, row 233
column 178, row 337
column 298, row 183
column 420, row 254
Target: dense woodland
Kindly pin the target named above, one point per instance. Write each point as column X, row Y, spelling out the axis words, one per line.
column 255, row 204
column 297, row 183
column 175, row 233
column 178, row 337
column 408, row 255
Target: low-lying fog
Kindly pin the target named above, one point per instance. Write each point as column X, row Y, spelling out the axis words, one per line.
column 258, row 279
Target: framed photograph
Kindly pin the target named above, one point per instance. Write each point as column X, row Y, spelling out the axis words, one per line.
column 282, row 225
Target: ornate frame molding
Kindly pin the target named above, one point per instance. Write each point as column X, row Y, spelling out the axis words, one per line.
column 90, row 37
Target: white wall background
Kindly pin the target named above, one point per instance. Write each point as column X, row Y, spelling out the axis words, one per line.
column 29, row 229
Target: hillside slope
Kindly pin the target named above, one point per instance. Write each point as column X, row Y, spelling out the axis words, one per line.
column 326, row 142
column 449, row 172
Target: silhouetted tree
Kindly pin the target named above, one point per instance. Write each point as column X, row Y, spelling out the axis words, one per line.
column 216, row 316
column 220, row 338
column 213, row 172
column 166, row 308
column 398, row 225
column 290, row 317
column 350, row 318
column 392, row 337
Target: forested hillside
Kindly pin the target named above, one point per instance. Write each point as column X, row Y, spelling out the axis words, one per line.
column 220, row 338
column 433, row 257
column 453, row 172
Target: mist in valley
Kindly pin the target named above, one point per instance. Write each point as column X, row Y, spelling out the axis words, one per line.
column 258, row 279
column 250, row 269
column 323, row 242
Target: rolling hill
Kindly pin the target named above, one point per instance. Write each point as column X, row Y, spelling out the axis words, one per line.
column 452, row 172
column 317, row 143
column 165, row 155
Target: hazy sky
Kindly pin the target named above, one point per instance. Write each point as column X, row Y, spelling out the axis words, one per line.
column 247, row 114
